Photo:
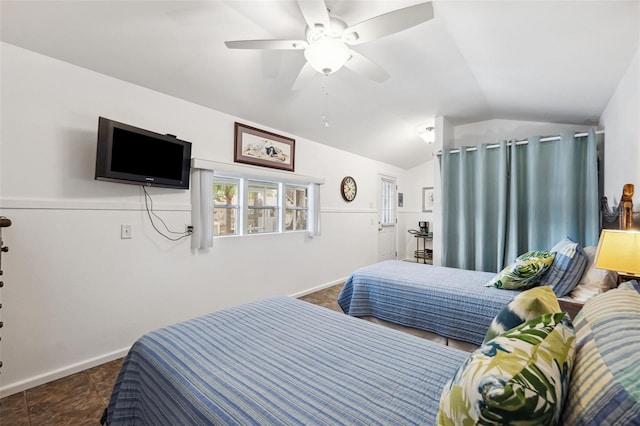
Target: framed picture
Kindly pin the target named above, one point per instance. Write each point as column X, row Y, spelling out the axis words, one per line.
column 427, row 199
column 400, row 199
column 262, row 148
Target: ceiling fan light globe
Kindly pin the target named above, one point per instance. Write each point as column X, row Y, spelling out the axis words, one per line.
column 427, row 135
column 327, row 55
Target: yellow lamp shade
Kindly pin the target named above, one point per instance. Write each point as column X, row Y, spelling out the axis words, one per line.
column 619, row 251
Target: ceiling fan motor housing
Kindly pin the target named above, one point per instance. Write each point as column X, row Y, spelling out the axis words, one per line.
column 319, row 31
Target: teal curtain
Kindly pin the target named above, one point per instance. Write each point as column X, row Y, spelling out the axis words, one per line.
column 499, row 203
column 475, row 202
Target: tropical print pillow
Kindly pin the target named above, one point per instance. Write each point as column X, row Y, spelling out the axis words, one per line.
column 520, row 377
column 525, row 306
column 525, row 272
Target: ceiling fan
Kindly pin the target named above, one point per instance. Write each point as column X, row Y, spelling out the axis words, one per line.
column 327, row 39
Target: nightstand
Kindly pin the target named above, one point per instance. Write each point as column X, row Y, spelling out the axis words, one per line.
column 425, row 254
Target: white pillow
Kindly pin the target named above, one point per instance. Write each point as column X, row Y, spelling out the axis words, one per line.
column 594, row 281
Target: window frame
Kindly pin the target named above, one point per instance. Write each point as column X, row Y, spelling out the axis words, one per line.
column 387, row 202
column 280, row 209
column 218, row 180
column 295, row 208
column 246, row 208
column 204, row 172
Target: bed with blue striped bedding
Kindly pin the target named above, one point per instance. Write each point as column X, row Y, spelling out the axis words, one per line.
column 453, row 303
column 280, row 361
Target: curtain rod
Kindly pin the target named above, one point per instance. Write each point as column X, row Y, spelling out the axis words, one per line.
column 521, row 142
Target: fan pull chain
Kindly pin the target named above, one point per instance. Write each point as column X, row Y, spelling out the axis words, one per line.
column 326, row 100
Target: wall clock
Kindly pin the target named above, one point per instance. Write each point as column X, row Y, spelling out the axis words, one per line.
column 348, row 188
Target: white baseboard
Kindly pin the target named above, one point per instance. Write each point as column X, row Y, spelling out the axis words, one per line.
column 60, row 373
column 318, row 288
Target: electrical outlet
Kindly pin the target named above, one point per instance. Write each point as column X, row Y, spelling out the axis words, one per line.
column 188, row 229
column 125, row 232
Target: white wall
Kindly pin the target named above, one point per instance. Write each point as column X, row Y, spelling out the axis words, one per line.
column 444, row 138
column 75, row 294
column 621, row 121
column 493, row 131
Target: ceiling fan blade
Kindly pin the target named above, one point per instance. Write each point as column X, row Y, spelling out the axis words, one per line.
column 304, row 77
column 267, row 44
column 315, row 12
column 388, row 23
column 362, row 65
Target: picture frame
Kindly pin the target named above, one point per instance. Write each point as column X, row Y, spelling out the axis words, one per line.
column 400, row 199
column 427, row 199
column 262, row 148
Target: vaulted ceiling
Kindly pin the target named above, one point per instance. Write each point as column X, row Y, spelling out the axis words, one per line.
column 552, row 61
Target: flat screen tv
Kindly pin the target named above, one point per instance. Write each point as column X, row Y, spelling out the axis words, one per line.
column 128, row 154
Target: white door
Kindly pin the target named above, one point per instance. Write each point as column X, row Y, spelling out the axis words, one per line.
column 387, row 239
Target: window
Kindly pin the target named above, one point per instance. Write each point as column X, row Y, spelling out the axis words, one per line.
column 387, row 201
column 230, row 200
column 296, row 208
column 225, row 206
column 262, row 207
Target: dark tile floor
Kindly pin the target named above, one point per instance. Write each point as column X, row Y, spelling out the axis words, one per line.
column 80, row 399
column 327, row 297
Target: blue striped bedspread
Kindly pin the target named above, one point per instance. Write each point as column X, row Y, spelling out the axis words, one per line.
column 281, row 361
column 451, row 302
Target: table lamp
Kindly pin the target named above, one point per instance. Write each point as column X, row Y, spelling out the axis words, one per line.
column 619, row 251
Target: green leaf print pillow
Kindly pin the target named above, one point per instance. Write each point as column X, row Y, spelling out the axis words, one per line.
column 525, row 272
column 527, row 305
column 519, row 377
